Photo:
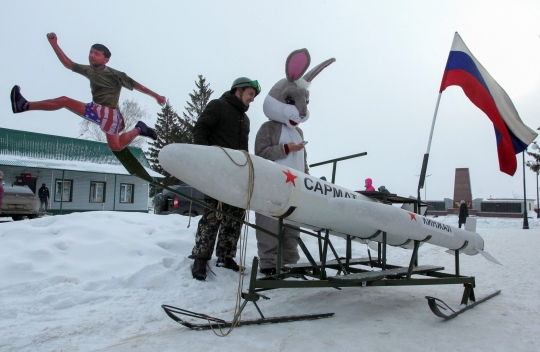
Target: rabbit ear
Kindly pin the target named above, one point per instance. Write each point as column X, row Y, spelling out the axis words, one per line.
column 297, row 63
column 317, row 69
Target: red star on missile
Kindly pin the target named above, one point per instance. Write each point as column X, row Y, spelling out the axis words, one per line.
column 290, row 177
column 413, row 216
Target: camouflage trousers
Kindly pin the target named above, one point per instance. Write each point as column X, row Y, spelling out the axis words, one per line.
column 207, row 232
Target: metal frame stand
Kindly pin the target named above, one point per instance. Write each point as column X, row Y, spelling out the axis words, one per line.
column 350, row 272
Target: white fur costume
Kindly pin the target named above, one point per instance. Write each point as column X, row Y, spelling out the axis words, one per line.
column 286, row 107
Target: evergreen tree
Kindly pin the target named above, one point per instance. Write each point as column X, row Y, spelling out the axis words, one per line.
column 167, row 127
column 195, row 106
column 171, row 128
column 534, row 165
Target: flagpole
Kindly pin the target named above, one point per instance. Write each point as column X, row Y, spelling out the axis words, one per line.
column 426, row 156
column 525, row 213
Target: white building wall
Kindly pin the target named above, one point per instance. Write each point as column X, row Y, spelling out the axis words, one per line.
column 80, row 200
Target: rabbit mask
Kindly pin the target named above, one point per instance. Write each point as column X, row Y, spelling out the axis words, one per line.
column 288, row 99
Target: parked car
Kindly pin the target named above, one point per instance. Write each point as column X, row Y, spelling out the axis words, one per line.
column 171, row 203
column 19, row 201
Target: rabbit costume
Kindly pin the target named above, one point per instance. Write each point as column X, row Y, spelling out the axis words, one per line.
column 286, row 107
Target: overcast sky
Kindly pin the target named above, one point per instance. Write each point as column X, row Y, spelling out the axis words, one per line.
column 378, row 97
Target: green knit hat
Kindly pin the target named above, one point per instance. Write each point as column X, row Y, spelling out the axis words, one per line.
column 246, row 82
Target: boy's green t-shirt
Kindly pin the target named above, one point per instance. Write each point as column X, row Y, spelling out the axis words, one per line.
column 105, row 85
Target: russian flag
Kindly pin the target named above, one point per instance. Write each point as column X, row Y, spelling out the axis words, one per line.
column 513, row 136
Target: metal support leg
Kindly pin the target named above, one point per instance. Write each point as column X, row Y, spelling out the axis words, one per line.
column 259, row 310
column 348, row 252
column 413, row 259
column 324, row 253
column 319, row 240
column 253, row 276
column 239, row 313
column 279, row 249
column 456, row 256
column 384, row 251
column 468, row 293
column 306, row 253
column 342, row 268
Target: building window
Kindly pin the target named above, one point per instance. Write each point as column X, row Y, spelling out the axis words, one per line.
column 97, row 192
column 64, row 193
column 126, row 193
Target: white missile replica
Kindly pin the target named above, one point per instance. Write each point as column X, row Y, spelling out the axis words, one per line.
column 307, row 201
column 410, row 225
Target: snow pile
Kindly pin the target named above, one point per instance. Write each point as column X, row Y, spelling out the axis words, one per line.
column 96, row 281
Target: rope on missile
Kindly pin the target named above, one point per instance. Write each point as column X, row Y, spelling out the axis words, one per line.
column 219, row 207
column 243, row 244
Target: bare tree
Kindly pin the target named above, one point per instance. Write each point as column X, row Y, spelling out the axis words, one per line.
column 132, row 113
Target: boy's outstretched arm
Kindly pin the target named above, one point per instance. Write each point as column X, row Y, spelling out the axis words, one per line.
column 53, row 40
column 159, row 98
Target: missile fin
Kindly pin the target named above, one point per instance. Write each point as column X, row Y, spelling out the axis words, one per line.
column 470, row 224
column 488, row 256
column 484, row 254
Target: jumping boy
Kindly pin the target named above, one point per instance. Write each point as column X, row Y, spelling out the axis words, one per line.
column 106, row 84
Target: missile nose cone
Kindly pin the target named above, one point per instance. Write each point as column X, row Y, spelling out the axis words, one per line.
column 165, row 154
column 208, row 169
column 173, row 154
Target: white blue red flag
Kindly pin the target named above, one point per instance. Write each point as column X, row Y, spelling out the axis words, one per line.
column 513, row 136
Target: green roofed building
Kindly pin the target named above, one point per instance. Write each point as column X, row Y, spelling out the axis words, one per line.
column 81, row 175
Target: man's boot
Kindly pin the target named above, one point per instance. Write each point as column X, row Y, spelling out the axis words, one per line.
column 228, row 263
column 199, row 269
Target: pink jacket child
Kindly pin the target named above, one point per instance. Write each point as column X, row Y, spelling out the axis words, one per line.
column 369, row 185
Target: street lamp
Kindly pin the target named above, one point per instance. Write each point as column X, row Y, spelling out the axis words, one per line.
column 525, row 213
column 536, row 166
column 425, row 186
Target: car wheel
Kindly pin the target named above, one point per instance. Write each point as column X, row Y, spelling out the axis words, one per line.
column 17, row 217
column 160, row 203
column 33, row 216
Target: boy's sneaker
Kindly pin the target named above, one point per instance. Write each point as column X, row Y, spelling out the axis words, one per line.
column 198, row 270
column 146, row 131
column 228, row 263
column 18, row 103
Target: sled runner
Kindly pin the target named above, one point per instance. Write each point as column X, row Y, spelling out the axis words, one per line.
column 436, row 305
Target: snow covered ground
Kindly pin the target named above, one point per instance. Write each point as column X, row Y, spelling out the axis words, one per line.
column 95, row 282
